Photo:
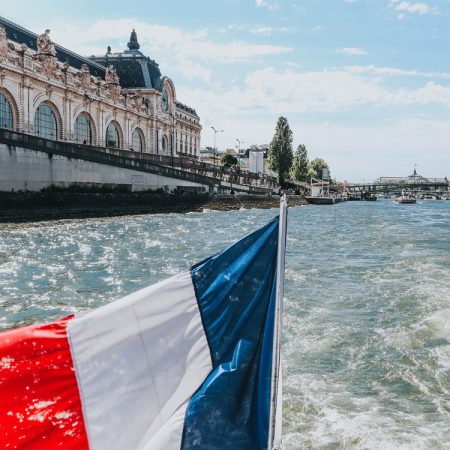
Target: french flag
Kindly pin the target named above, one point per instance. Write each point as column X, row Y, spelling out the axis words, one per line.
column 191, row 362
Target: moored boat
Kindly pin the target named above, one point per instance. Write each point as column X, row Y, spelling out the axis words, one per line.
column 323, row 200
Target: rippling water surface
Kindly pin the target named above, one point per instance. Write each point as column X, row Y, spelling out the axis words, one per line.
column 366, row 347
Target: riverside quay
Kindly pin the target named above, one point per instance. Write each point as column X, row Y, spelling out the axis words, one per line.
column 104, row 122
column 117, row 100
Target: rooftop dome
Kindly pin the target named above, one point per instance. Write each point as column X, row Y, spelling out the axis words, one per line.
column 135, row 70
column 416, row 178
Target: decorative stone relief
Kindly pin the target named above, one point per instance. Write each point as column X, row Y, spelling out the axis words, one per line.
column 84, row 78
column 112, row 86
column 49, row 90
column 113, row 93
column 2, row 76
column 46, row 55
column 3, row 44
column 111, row 76
column 135, row 101
column 48, row 66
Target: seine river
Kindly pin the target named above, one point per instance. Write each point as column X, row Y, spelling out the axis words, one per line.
column 366, row 346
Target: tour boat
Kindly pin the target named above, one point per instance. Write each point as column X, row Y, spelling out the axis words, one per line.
column 405, row 199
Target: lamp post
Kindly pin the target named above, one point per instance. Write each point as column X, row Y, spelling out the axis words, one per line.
column 214, row 150
column 239, row 144
column 239, row 150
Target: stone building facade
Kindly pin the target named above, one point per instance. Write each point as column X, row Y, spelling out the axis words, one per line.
column 118, row 100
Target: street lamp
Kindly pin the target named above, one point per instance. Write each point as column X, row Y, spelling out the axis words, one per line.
column 214, row 150
column 239, row 144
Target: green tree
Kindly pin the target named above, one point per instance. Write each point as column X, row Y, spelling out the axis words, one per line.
column 299, row 169
column 280, row 150
column 229, row 160
column 315, row 168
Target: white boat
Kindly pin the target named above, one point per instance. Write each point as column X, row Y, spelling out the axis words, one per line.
column 405, row 199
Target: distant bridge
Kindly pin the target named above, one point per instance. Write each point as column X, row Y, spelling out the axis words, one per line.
column 392, row 185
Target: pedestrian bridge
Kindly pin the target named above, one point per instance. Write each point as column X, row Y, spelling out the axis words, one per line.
column 387, row 185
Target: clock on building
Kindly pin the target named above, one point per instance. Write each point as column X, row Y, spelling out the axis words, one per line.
column 165, row 99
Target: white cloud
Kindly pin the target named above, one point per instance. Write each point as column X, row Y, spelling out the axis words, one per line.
column 412, row 8
column 353, row 151
column 261, row 31
column 188, row 53
column 162, row 38
column 352, row 51
column 392, row 71
column 266, row 31
column 327, row 91
column 266, row 4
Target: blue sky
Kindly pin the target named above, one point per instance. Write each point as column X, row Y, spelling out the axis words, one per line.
column 365, row 84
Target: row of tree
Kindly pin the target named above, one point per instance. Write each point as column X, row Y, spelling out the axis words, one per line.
column 288, row 165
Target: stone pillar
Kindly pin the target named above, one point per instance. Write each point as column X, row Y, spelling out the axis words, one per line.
column 126, row 132
column 27, row 119
column 66, row 116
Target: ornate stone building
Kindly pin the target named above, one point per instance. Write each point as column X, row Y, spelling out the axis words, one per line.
column 118, row 100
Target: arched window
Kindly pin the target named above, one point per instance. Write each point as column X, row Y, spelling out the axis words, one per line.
column 137, row 140
column 45, row 124
column 6, row 114
column 83, row 130
column 112, row 136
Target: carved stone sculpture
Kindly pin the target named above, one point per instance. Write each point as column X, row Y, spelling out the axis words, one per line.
column 84, row 77
column 111, row 76
column 46, row 55
column 3, row 43
column 45, row 45
column 112, row 86
column 114, row 93
column 47, row 65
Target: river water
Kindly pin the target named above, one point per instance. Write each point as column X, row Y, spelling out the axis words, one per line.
column 366, row 339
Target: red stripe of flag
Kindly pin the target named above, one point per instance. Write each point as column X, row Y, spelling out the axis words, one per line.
column 40, row 405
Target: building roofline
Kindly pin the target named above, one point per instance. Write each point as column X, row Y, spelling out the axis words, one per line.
column 58, row 46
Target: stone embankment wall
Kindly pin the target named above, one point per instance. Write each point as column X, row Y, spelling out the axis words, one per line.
column 23, row 169
column 32, row 206
column 31, row 163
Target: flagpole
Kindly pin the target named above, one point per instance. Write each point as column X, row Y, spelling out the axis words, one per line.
column 274, row 441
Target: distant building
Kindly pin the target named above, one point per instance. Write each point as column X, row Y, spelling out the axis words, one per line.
column 414, row 178
column 254, row 159
column 119, row 100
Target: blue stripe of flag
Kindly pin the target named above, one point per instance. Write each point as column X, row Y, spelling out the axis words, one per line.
column 235, row 291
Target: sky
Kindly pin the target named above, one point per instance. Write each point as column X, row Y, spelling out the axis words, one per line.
column 364, row 84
